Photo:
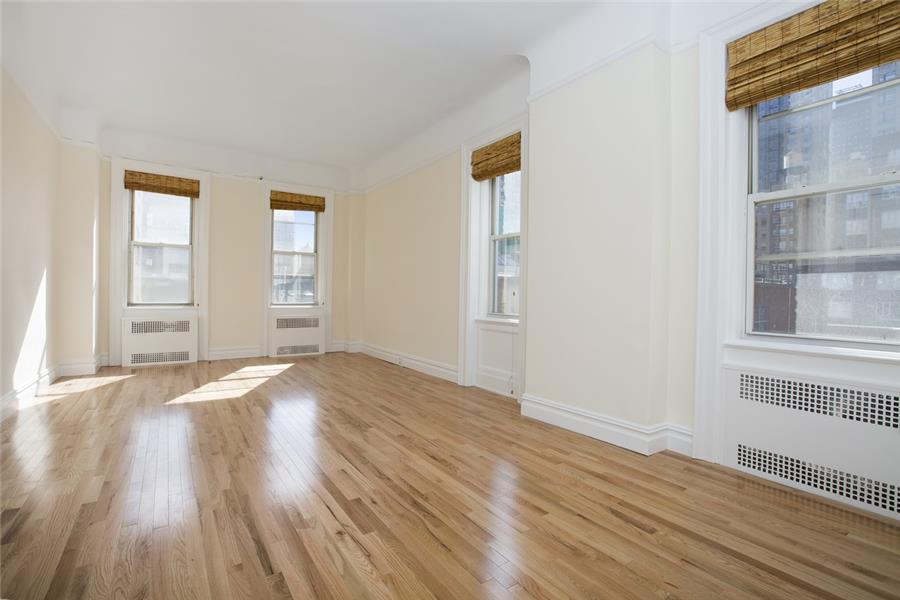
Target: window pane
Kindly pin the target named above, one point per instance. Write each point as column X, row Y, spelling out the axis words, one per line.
column 843, row 139
column 294, row 231
column 829, row 265
column 507, row 202
column 161, row 218
column 506, row 276
column 161, row 275
column 294, row 279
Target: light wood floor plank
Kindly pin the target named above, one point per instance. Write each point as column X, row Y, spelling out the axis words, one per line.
column 346, row 477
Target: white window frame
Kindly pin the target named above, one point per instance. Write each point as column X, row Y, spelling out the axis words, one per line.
column 132, row 244
column 474, row 274
column 493, row 237
column 722, row 340
column 324, row 249
column 755, row 198
column 119, row 255
column 273, row 252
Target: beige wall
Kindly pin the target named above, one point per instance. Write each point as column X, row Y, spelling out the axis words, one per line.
column 683, row 237
column 103, row 268
column 236, row 257
column 356, row 268
column 412, row 262
column 340, row 266
column 612, row 250
column 31, row 157
column 76, row 280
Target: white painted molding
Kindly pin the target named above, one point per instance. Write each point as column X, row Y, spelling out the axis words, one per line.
column 416, row 363
column 103, row 359
column 232, row 352
column 644, row 439
column 494, row 380
column 78, row 368
column 354, row 347
column 336, row 346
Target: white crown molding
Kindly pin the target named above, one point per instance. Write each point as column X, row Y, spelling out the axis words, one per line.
column 644, row 439
column 218, row 160
column 445, row 135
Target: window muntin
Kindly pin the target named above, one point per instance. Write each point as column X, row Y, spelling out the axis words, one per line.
column 505, row 244
column 294, row 257
column 161, row 249
column 825, row 212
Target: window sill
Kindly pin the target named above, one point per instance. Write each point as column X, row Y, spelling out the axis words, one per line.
column 498, row 321
column 820, row 351
column 296, row 306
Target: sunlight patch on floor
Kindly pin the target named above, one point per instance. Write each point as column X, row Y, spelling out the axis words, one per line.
column 233, row 385
column 61, row 389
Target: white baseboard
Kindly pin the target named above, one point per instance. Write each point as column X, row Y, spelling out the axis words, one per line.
column 337, row 346
column 416, row 363
column 493, row 380
column 103, row 359
column 78, row 368
column 645, row 439
column 355, row 347
column 19, row 398
column 231, row 352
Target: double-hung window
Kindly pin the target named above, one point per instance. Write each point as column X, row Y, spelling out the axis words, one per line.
column 505, row 244
column 161, row 249
column 825, row 210
column 294, row 256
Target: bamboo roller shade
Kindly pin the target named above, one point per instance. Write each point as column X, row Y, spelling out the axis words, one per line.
column 162, row 184
column 502, row 157
column 826, row 42
column 289, row 201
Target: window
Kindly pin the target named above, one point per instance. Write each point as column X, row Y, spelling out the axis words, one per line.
column 161, row 236
column 826, row 207
column 294, row 256
column 505, row 244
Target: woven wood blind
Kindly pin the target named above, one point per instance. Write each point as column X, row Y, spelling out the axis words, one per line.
column 289, row 201
column 162, row 184
column 826, row 42
column 502, row 157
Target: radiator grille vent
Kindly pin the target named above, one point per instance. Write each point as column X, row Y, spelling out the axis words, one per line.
column 307, row 349
column 862, row 489
column 160, row 326
column 144, row 358
column 296, row 322
column 853, row 404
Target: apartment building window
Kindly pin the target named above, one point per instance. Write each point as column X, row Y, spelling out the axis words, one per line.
column 505, row 244
column 825, row 202
column 161, row 249
column 295, row 260
column 294, row 256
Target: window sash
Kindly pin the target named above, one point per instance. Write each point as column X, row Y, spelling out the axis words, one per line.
column 132, row 244
column 756, row 198
column 492, row 304
column 274, row 252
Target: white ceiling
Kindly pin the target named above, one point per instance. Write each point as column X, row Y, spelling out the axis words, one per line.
column 330, row 84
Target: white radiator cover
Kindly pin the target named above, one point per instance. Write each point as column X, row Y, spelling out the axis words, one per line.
column 296, row 334
column 838, row 439
column 159, row 341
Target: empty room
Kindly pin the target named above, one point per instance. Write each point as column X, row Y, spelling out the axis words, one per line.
column 450, row 300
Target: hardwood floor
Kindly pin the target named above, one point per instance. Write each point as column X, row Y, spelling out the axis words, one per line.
column 347, row 477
